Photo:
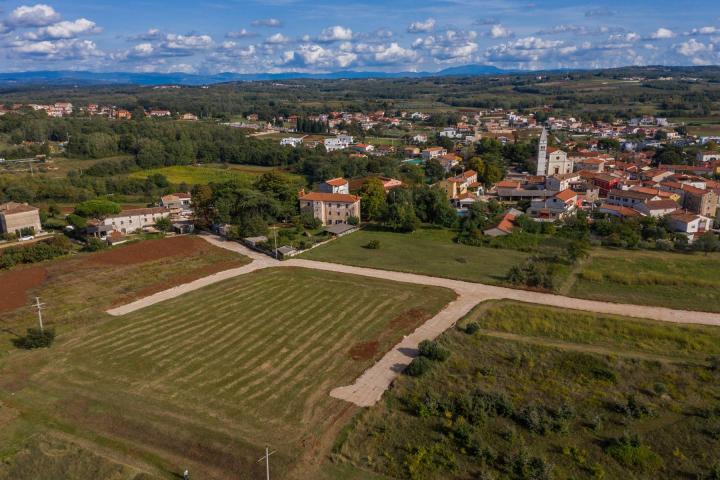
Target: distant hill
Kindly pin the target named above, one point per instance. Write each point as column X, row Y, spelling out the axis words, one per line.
column 66, row 77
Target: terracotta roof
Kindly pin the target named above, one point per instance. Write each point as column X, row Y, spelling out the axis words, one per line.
column 624, row 211
column 336, row 182
column 139, row 211
column 684, row 216
column 506, row 224
column 566, row 195
column 508, row 184
column 11, row 208
column 468, row 173
column 330, row 197
column 661, row 204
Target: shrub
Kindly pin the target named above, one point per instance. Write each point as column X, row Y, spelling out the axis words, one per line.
column 418, row 366
column 432, row 350
column 372, row 245
column 472, row 328
column 353, row 221
column 36, row 338
column 94, row 244
column 631, row 453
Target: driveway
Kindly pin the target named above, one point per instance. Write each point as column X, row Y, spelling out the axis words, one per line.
column 370, row 386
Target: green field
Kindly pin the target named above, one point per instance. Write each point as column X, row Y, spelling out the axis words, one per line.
column 674, row 280
column 204, row 174
column 429, row 251
column 204, row 381
column 542, row 393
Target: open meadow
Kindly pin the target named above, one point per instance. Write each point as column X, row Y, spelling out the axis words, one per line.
column 673, row 280
column 205, row 174
column 538, row 392
column 205, row 380
column 428, row 251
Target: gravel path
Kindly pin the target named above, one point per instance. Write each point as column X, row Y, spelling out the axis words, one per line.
column 369, row 387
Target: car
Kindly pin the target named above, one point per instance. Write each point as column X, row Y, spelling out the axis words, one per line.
column 26, row 238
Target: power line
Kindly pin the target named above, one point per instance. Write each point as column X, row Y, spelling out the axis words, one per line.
column 266, row 457
column 39, row 307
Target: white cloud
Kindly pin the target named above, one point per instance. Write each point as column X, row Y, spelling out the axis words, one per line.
column 242, row 33
column 498, row 31
column 66, row 29
column 267, row 22
column 38, row 15
column 419, row 27
column 692, row 48
column 336, row 33
column 58, row 49
column 277, row 39
column 662, row 33
column 187, row 42
column 394, row 54
column 703, row 31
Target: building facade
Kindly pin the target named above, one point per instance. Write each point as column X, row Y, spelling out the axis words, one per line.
column 17, row 217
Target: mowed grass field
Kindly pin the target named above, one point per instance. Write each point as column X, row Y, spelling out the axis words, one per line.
column 673, row 280
column 428, row 251
column 551, row 393
column 205, row 174
column 204, row 381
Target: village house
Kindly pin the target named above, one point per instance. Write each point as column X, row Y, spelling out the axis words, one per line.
column 160, row 113
column 657, row 208
column 696, row 200
column 618, row 211
column 505, row 226
column 558, row 207
column 179, row 204
column 629, row 198
column 433, row 152
column 332, row 205
column 448, row 161
column 291, row 141
column 19, row 218
column 707, row 156
column 690, row 224
column 129, row 221
column 561, row 181
column 456, row 186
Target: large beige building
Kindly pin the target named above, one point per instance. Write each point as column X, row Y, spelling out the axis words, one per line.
column 330, row 206
column 15, row 217
column 129, row 221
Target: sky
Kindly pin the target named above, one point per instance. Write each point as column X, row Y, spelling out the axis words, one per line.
column 251, row 36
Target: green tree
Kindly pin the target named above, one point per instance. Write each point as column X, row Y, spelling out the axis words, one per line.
column 434, row 170
column 97, row 208
column 373, row 200
column 163, row 224
column 400, row 215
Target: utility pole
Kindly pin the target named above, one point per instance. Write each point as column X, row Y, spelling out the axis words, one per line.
column 266, row 457
column 39, row 307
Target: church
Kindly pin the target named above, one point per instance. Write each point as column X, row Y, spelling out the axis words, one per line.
column 551, row 161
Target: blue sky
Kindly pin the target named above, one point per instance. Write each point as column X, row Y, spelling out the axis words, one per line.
column 320, row 36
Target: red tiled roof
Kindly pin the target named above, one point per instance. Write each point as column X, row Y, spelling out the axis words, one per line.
column 336, row 182
column 330, row 197
column 566, row 195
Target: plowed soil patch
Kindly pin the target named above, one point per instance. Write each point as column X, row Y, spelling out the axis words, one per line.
column 364, row 351
column 15, row 284
column 149, row 250
column 411, row 318
column 179, row 280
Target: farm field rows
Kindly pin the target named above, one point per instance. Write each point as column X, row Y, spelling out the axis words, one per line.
column 539, row 392
column 237, row 364
column 428, row 251
column 77, row 289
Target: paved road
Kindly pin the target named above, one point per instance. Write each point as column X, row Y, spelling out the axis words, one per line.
column 370, row 386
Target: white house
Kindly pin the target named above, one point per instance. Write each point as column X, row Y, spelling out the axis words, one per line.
column 292, row 141
column 707, row 156
column 129, row 221
column 557, row 207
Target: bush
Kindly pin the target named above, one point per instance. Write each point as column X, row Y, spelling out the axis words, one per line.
column 94, row 245
column 372, row 245
column 472, row 328
column 418, row 366
column 353, row 221
column 630, row 452
column 433, row 351
column 35, row 338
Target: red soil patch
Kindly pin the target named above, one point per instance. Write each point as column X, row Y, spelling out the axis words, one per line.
column 15, row 284
column 178, row 280
column 149, row 250
column 411, row 318
column 364, row 351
